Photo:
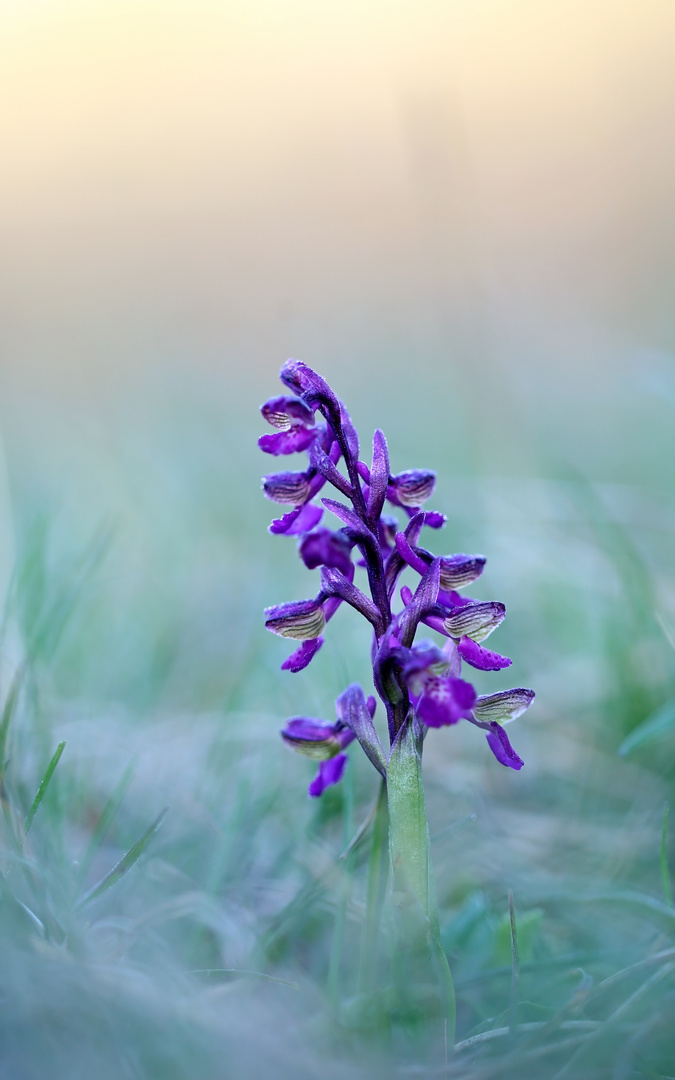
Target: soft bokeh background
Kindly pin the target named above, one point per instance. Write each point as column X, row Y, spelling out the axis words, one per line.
column 462, row 215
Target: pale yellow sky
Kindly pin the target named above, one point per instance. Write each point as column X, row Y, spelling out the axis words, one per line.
column 167, row 96
column 253, row 174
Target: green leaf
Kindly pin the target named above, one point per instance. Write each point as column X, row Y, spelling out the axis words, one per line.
column 8, row 711
column 659, row 723
column 44, row 783
column 126, row 862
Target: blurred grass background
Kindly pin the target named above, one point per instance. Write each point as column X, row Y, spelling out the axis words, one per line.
column 461, row 215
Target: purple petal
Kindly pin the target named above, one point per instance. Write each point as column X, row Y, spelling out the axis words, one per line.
column 323, row 547
column 460, row 570
column 298, row 619
column 414, row 527
column 297, row 522
column 285, row 412
column 504, row 706
column 406, row 552
column 445, row 701
column 330, row 606
column 454, row 599
column 434, row 519
column 465, row 694
column 424, row 656
column 316, row 483
column 307, row 729
column 406, row 595
column 287, row 487
column 437, row 707
column 299, row 660
column 498, row 741
column 412, row 487
column 330, row 772
column 476, row 621
column 480, row 657
column 436, row 623
column 287, row 442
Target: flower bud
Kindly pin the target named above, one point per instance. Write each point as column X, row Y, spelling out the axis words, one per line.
column 475, row 621
column 302, row 379
column 300, row 619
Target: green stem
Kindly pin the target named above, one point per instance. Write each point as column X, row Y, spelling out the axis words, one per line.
column 378, row 872
column 413, row 886
column 345, row 890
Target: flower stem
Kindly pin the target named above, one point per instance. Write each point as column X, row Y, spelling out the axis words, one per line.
column 420, row 948
column 337, row 942
column 378, row 873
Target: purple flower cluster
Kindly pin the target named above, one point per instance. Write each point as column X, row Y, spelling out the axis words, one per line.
column 419, row 681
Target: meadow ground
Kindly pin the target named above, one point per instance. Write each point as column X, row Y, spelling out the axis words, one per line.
column 227, row 942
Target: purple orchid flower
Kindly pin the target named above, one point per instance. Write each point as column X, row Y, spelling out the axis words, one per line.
column 418, row 682
column 321, row 742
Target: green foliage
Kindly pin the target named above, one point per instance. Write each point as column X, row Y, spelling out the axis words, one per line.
column 529, row 930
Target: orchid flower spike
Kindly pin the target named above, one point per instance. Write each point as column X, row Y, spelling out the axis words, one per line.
column 418, row 682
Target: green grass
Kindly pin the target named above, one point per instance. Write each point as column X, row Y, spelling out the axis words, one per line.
column 172, row 905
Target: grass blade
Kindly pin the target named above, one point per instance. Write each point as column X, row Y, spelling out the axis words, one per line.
column 659, row 723
column 44, row 783
column 641, row 903
column 126, row 862
column 244, row 974
column 515, row 963
column 8, row 711
column 665, row 877
column 450, row 829
column 106, row 819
